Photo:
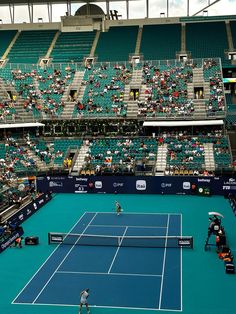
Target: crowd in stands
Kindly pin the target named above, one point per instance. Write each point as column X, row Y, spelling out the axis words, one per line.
column 7, row 110
column 166, row 91
column 185, row 153
column 16, row 159
column 104, row 93
column 118, row 155
column 212, row 72
column 42, row 89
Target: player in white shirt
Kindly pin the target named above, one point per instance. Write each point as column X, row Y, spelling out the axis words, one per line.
column 118, row 208
column 83, row 300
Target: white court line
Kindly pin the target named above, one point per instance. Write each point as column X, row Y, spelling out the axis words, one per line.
column 46, row 260
column 62, row 262
column 117, row 250
column 113, row 274
column 136, row 213
column 164, row 263
column 110, row 307
column 120, row 226
column 101, row 307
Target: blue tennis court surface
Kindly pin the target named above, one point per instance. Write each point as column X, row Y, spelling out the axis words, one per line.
column 118, row 277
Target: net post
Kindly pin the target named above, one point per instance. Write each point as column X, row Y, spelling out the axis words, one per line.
column 191, row 242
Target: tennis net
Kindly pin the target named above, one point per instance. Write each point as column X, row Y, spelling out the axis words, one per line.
column 126, row 241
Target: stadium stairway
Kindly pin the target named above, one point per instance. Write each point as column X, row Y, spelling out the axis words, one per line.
column 199, row 109
column 229, row 36
column 3, row 92
column 11, row 45
column 76, row 87
column 135, row 83
column 209, row 157
column 81, row 93
column 183, row 37
column 41, row 165
column 41, row 114
column 52, row 44
column 138, row 41
column 199, row 104
column 161, row 160
column 95, row 42
column 80, row 161
column 21, row 114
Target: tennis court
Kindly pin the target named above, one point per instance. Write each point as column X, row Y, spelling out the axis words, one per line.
column 198, row 275
column 144, row 267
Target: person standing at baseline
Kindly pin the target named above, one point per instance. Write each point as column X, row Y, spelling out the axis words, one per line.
column 118, row 208
column 83, row 300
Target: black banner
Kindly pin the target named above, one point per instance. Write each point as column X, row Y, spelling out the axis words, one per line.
column 11, row 239
column 24, row 213
column 28, row 210
column 185, row 185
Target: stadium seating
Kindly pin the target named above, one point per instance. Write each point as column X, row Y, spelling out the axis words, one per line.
column 42, row 89
column 161, row 42
column 166, row 91
column 61, row 147
column 104, row 93
column 117, row 43
column 119, row 154
column 222, row 154
column 7, row 111
column 30, row 46
column 163, row 85
column 72, row 47
column 186, row 153
column 202, row 43
column 5, row 39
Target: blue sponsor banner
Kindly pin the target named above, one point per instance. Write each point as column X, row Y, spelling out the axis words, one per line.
column 138, row 185
column 28, row 210
column 24, row 213
column 11, row 239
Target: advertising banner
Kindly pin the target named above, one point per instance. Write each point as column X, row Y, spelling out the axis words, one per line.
column 28, row 210
column 185, row 185
column 11, row 239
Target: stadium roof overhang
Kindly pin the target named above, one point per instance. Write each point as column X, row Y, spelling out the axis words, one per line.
column 25, row 2
column 49, row 3
column 183, row 123
column 20, row 125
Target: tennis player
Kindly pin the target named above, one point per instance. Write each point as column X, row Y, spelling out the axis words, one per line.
column 118, row 208
column 83, row 300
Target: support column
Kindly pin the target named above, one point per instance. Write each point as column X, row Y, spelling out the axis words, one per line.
column 127, row 9
column 49, row 11
column 31, row 12
column 147, row 8
column 12, row 12
column 108, row 8
column 68, row 4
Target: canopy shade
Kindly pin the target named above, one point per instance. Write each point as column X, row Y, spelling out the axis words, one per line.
column 183, row 123
column 20, row 125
